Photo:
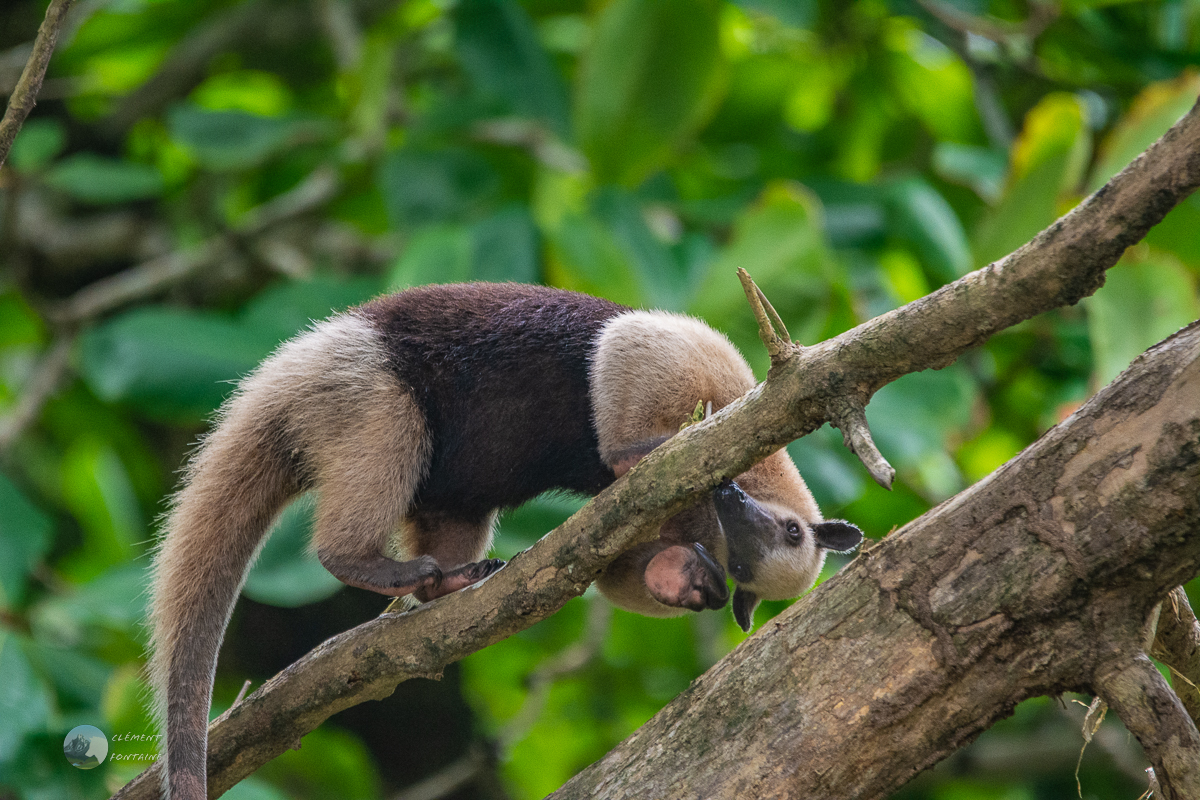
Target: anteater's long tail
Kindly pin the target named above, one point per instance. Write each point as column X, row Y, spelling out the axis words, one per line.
column 314, row 408
column 236, row 484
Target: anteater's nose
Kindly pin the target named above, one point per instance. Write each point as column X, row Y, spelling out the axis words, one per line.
column 729, row 491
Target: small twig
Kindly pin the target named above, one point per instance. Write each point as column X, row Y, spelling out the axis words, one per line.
column 157, row 274
column 242, row 692
column 570, row 660
column 449, row 778
column 1091, row 725
column 850, row 418
column 1040, row 17
column 771, row 330
column 343, row 31
column 137, row 282
column 24, row 96
column 45, row 381
column 543, row 145
column 185, row 65
column 311, row 193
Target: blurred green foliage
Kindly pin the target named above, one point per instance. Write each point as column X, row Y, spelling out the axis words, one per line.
column 852, row 156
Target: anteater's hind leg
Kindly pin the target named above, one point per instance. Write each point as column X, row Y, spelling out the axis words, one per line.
column 370, row 458
column 457, row 542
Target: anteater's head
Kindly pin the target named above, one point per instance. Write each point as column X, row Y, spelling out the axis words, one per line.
column 775, row 536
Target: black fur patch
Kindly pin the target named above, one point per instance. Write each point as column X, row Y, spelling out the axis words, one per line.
column 501, row 374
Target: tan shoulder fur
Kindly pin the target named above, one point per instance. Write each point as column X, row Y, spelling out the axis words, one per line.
column 649, row 370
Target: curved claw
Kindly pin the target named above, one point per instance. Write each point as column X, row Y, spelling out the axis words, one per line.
column 687, row 577
column 460, row 578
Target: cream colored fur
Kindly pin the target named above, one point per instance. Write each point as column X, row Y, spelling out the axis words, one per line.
column 650, row 368
column 324, row 408
column 648, row 372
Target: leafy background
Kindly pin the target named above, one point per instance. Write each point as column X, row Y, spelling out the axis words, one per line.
column 247, row 167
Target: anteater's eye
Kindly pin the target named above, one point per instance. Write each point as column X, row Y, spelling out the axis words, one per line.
column 793, row 530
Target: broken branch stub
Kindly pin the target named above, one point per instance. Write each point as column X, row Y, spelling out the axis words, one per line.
column 849, row 416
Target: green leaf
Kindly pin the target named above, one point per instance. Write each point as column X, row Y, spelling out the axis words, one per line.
column 932, row 82
column 331, row 763
column 1047, row 165
column 505, row 247
column 231, row 140
column 97, row 489
column 923, row 218
column 912, row 416
column 1142, row 302
column 421, row 186
column 498, row 47
column 19, row 323
column 585, row 257
column 829, row 469
column 1156, row 108
column 1176, row 234
column 649, row 79
column 253, row 91
column 780, row 242
column 39, row 141
column 24, row 702
column 253, row 788
column 113, row 602
column 169, row 363
column 980, row 168
column 24, row 539
column 99, row 180
column 285, row 309
column 287, row 574
column 440, row 253
column 796, row 13
column 77, row 677
column 659, row 275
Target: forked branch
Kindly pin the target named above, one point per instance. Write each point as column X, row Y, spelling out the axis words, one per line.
column 771, row 330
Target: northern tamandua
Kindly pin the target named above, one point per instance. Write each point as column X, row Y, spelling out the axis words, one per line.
column 427, row 411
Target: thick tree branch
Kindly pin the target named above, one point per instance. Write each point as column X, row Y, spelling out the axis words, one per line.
column 943, row 630
column 24, row 95
column 1029, row 583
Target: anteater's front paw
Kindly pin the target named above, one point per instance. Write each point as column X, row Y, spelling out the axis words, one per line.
column 687, row 577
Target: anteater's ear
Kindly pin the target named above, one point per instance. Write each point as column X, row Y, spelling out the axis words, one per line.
column 744, row 603
column 837, row 535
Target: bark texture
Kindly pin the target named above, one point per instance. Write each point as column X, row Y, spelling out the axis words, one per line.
column 1037, row 580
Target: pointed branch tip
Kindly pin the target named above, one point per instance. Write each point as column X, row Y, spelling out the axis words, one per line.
column 850, row 418
column 771, row 330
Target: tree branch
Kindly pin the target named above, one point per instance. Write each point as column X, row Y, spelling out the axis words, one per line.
column 24, row 95
column 157, row 274
column 940, row 631
column 1177, row 644
column 1150, row 710
column 41, row 387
